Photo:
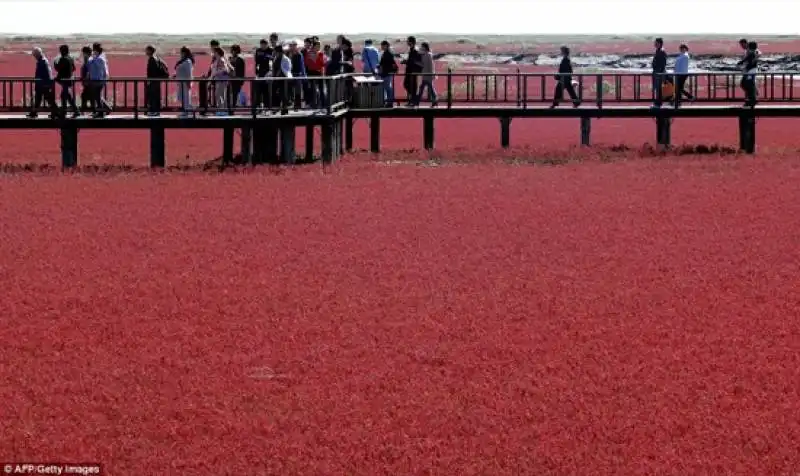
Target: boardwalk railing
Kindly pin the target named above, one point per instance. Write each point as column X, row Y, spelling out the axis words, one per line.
column 140, row 95
column 330, row 94
column 524, row 89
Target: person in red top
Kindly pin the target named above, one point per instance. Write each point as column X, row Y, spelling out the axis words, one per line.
column 315, row 67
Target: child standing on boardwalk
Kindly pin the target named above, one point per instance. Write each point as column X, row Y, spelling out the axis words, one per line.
column 428, row 75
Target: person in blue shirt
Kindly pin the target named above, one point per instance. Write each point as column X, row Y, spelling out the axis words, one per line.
column 44, row 86
column 682, row 73
column 370, row 58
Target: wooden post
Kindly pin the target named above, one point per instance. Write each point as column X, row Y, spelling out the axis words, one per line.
column 375, row 134
column 157, row 147
column 586, row 131
column 247, row 145
column 227, row 145
column 339, row 138
column 328, row 142
column 348, row 134
column 663, row 133
column 309, row 143
column 747, row 133
column 270, row 145
column 288, row 153
column 505, row 132
column 258, row 144
column 427, row 132
column 69, row 147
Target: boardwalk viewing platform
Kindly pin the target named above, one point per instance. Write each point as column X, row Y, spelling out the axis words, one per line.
column 268, row 128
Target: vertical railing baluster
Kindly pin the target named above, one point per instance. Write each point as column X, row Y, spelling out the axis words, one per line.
column 543, row 88
column 135, row 98
column 449, row 88
column 599, row 92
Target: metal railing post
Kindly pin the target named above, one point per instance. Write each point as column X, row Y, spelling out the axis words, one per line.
column 135, row 99
column 449, row 88
column 599, row 91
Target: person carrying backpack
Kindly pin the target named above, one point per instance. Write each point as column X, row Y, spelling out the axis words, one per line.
column 387, row 69
column 157, row 71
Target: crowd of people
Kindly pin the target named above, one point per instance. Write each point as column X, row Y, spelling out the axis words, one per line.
column 300, row 69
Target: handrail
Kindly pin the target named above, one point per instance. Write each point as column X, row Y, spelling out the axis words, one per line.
column 328, row 94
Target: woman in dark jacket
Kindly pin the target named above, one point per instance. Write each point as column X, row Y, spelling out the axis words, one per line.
column 239, row 72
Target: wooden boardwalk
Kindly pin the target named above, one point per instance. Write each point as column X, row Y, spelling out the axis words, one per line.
column 261, row 133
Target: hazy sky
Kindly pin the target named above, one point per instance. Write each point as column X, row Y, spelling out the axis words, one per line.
column 429, row 16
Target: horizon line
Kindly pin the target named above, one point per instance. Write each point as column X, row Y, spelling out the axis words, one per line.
column 543, row 35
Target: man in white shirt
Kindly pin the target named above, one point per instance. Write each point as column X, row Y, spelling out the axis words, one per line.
column 682, row 73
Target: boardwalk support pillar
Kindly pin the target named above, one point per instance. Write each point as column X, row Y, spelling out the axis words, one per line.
column 348, row 133
column 747, row 133
column 339, row 137
column 258, row 144
column 157, row 148
column 69, row 147
column 586, row 131
column 247, row 144
column 309, row 143
column 270, row 145
column 663, row 131
column 375, row 134
column 505, row 132
column 227, row 145
column 427, row 132
column 328, row 142
column 288, row 153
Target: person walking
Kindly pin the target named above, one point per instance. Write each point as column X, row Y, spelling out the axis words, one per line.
column 299, row 75
column 205, row 91
column 65, row 72
column 370, row 59
column 87, row 100
column 682, row 74
column 184, row 72
column 262, row 60
column 98, row 77
column 428, row 76
column 157, row 71
column 44, row 87
column 220, row 74
column 239, row 68
column 281, row 73
column 315, row 67
column 749, row 65
column 659, row 71
column 564, row 81
column 387, row 69
column 413, row 64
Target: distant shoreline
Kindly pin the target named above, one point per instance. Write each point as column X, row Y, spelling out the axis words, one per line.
column 441, row 43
